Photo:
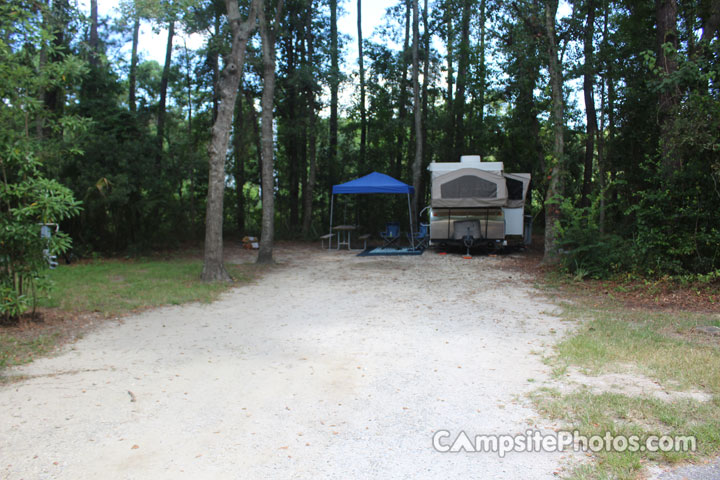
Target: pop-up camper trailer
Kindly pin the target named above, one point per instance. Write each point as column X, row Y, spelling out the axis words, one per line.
column 475, row 203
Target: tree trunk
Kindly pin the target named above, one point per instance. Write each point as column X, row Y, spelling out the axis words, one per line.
column 666, row 14
column 213, row 268
column 610, row 154
column 463, row 61
column 589, row 95
column 529, row 72
column 256, row 131
column 94, row 42
column 449, row 104
column 601, row 161
column 417, row 164
column 213, row 59
column 402, row 101
column 189, row 168
column 188, row 84
column 267, row 34
column 292, row 136
column 42, row 60
column 302, row 139
column 132, row 76
column 163, row 88
column 334, row 85
column 239, row 170
column 426, row 80
column 552, row 201
column 483, row 75
column 58, row 23
column 363, row 113
column 604, row 107
column 711, row 21
column 309, row 189
column 291, row 132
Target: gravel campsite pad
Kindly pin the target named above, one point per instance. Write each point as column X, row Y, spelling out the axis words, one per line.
column 329, row 366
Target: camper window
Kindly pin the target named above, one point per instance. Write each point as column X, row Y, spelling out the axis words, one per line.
column 469, row 186
column 515, row 189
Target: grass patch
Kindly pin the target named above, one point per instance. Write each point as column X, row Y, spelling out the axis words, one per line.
column 661, row 345
column 595, row 414
column 17, row 351
column 112, row 287
column 108, row 288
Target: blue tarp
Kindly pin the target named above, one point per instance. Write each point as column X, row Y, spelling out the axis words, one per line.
column 373, row 183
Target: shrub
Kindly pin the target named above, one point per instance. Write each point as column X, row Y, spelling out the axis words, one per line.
column 585, row 251
column 27, row 198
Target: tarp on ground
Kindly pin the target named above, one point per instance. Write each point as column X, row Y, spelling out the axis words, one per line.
column 373, row 183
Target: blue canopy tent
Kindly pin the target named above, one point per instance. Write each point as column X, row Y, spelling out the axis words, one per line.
column 373, row 183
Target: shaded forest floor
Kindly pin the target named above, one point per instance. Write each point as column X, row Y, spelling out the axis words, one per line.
column 663, row 294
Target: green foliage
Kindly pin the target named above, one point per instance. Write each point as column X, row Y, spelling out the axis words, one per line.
column 663, row 196
column 674, row 230
column 677, row 225
column 585, row 250
column 29, row 200
column 27, row 197
column 140, row 191
column 677, row 228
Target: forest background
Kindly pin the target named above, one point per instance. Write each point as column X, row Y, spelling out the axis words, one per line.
column 612, row 106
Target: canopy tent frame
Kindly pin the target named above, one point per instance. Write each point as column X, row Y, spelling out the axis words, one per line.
column 374, row 183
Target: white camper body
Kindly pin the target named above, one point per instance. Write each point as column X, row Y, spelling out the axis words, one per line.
column 476, row 203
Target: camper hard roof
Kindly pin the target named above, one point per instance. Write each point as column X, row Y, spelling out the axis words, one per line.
column 469, row 161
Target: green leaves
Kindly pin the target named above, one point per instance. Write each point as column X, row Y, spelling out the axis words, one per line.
column 28, row 204
column 27, row 198
column 585, row 250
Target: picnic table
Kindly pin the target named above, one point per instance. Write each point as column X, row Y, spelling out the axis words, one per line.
column 344, row 233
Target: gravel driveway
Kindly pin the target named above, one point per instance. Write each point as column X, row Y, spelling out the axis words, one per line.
column 329, row 366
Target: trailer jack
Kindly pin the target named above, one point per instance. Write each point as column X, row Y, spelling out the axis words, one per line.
column 468, row 240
